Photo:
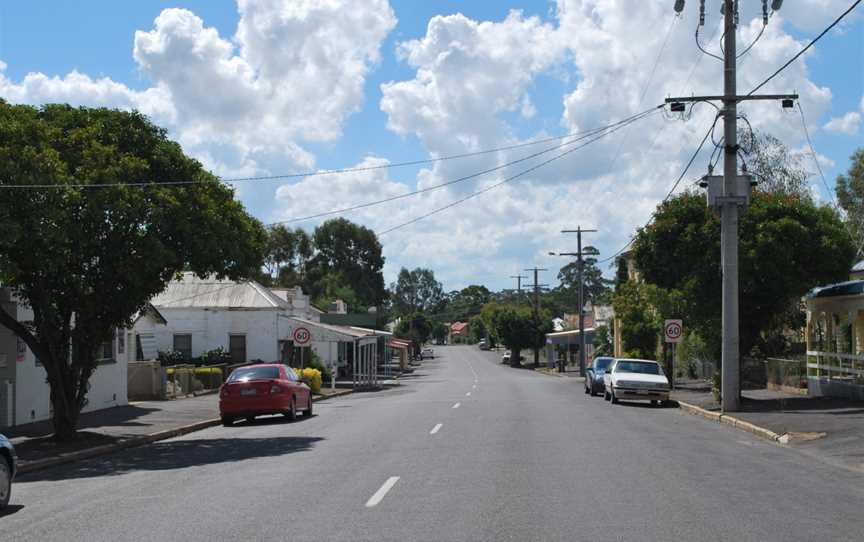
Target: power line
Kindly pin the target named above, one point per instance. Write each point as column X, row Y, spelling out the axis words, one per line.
column 512, row 177
column 672, row 190
column 802, row 51
column 584, row 135
column 317, row 173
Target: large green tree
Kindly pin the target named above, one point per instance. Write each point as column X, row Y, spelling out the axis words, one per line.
column 850, row 196
column 286, row 256
column 516, row 327
column 353, row 251
column 596, row 288
column 416, row 291
column 97, row 230
column 787, row 245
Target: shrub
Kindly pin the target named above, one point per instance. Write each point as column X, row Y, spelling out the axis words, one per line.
column 316, row 363
column 213, row 357
column 170, row 357
column 312, row 376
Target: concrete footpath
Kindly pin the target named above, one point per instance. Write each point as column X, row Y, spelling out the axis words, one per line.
column 113, row 429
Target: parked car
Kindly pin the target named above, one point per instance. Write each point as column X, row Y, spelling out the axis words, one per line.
column 427, row 353
column 483, row 345
column 8, row 466
column 594, row 375
column 635, row 379
column 266, row 388
column 508, row 355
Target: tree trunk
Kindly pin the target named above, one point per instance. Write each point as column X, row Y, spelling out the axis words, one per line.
column 536, row 358
column 515, row 354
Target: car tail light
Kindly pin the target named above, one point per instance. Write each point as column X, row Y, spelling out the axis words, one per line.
column 275, row 389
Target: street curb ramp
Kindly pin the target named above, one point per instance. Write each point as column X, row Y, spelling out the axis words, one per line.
column 731, row 421
column 133, row 442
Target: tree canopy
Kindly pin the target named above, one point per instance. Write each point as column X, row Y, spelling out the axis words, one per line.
column 788, row 245
column 416, row 291
column 353, row 251
column 850, row 196
column 86, row 258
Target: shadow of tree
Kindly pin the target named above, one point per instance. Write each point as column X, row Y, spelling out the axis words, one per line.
column 178, row 454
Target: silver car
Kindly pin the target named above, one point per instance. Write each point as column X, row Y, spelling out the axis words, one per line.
column 8, row 465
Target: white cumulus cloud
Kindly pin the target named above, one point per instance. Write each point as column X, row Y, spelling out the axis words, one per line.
column 847, row 124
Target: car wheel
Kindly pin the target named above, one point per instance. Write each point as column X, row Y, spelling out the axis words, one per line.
column 227, row 421
column 586, row 388
column 612, row 397
column 592, row 391
column 655, row 403
column 5, row 482
column 308, row 412
column 605, row 395
column 292, row 410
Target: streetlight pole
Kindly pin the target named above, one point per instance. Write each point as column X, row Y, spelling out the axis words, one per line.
column 579, row 231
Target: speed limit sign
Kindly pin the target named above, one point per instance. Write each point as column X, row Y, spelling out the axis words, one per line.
column 673, row 330
column 302, row 336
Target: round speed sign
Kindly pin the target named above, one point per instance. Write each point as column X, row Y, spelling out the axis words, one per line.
column 673, row 330
column 302, row 336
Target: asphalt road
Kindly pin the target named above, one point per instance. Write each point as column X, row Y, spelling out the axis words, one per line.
column 523, row 457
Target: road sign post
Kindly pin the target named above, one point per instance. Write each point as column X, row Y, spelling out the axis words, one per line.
column 673, row 332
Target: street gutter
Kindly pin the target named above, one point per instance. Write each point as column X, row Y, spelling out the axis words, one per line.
column 732, row 421
column 87, row 453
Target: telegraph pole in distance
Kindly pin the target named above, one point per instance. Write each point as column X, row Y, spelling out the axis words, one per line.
column 537, row 287
column 581, row 300
column 519, row 283
column 730, row 193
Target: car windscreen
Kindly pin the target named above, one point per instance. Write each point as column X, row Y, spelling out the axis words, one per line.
column 601, row 364
column 254, row 373
column 641, row 367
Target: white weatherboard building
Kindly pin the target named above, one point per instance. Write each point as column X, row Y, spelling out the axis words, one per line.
column 24, row 392
column 249, row 321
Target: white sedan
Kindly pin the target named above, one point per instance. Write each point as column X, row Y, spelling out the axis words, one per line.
column 427, row 353
column 636, row 379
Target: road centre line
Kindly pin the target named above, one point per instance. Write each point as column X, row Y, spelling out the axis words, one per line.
column 456, row 405
column 382, row 491
column 435, row 429
column 468, row 394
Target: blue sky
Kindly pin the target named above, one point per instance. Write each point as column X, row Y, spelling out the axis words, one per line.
column 423, row 81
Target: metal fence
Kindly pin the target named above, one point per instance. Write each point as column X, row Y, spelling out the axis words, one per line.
column 787, row 372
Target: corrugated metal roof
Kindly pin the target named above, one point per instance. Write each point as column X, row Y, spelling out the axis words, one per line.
column 344, row 330
column 852, row 287
column 193, row 292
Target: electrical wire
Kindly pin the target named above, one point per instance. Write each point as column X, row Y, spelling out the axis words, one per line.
column 802, row 51
column 317, row 173
column 507, row 180
column 671, row 191
column 585, row 135
column 699, row 45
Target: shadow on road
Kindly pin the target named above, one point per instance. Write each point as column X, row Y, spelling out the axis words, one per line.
column 179, row 454
column 11, row 509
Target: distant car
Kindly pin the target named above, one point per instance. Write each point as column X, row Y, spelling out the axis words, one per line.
column 267, row 388
column 483, row 345
column 636, row 379
column 594, row 375
column 508, row 355
column 8, row 466
column 427, row 353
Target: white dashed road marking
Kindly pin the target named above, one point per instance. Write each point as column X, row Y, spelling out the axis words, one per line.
column 435, row 429
column 456, row 405
column 382, row 491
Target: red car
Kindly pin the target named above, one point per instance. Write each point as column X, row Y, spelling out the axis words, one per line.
column 269, row 388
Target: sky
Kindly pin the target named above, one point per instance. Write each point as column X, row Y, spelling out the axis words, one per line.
column 277, row 87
